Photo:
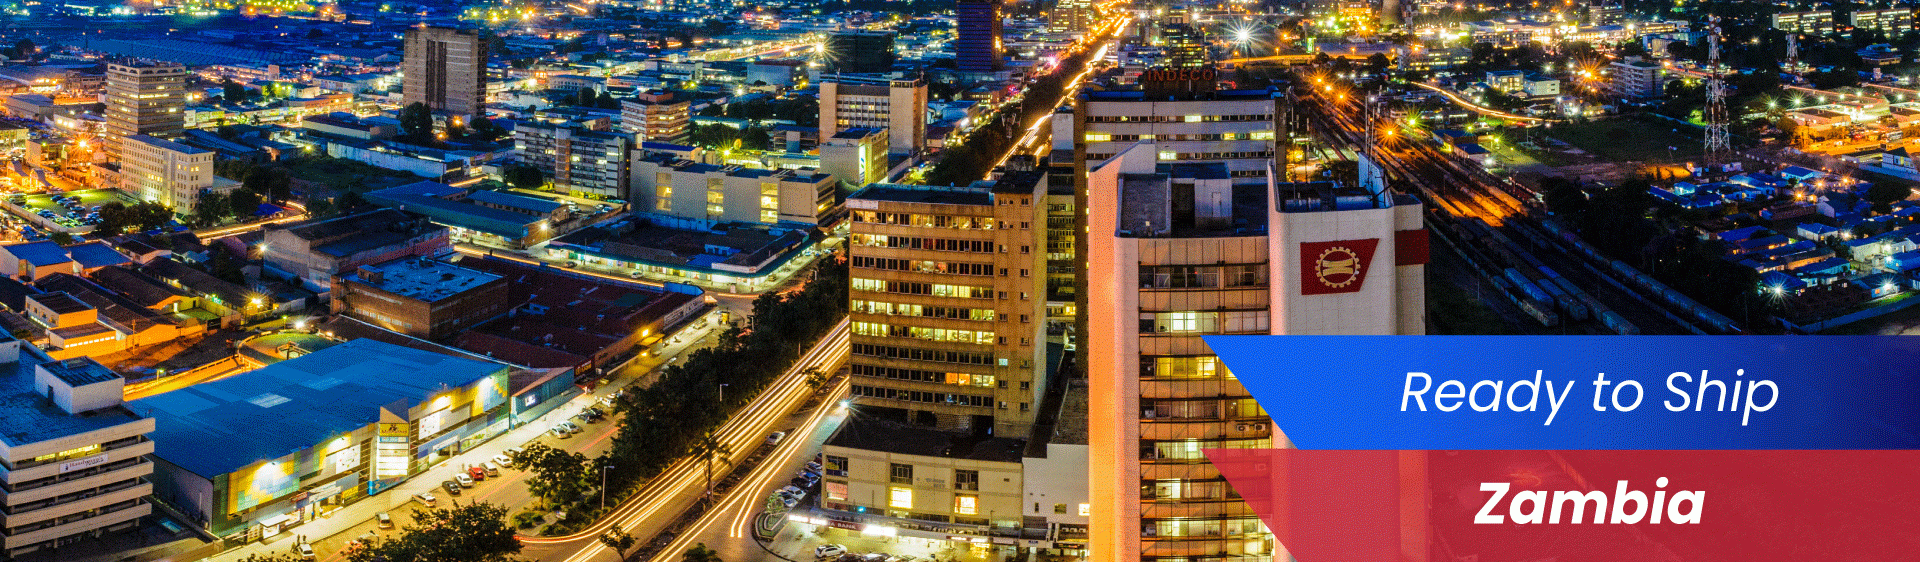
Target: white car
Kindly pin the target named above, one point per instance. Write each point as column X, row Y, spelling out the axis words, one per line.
column 306, row 551
column 464, row 480
column 829, row 551
column 775, row 438
column 794, row 491
column 503, row 460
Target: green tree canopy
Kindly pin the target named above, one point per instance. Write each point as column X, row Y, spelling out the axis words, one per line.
column 471, row 533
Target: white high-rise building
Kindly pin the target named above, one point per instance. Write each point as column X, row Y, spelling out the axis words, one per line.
column 165, row 172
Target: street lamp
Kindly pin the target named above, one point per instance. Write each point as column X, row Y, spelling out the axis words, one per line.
column 723, row 394
column 603, row 486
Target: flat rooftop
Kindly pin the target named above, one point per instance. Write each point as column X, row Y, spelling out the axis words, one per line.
column 933, row 194
column 216, row 427
column 79, row 371
column 423, row 279
column 871, row 434
column 28, row 417
column 60, row 303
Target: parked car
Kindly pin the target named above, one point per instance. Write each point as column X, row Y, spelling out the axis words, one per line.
column 514, row 453
column 425, row 498
column 383, row 520
column 570, row 426
column 305, row 550
column 787, row 500
column 874, row 557
column 477, row 473
column 503, row 460
column 464, row 480
column 829, row 551
column 493, row 468
column 775, row 438
column 813, row 466
column 795, row 491
column 801, row 482
column 452, row 488
column 560, row 431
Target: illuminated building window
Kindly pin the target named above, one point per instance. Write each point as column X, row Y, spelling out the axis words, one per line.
column 965, row 504
column 900, row 497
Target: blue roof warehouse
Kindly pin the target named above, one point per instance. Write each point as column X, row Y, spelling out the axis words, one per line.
column 290, row 441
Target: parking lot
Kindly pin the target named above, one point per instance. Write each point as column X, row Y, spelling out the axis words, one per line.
column 76, row 210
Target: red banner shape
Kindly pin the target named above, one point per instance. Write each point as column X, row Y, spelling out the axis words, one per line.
column 1713, row 506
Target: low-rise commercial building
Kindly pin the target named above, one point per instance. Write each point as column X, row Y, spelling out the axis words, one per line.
column 166, row 172
column 73, row 461
column 249, row 455
column 420, row 297
column 668, row 185
column 468, row 221
column 315, row 251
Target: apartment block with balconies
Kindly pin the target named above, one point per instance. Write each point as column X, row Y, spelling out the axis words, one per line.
column 73, row 459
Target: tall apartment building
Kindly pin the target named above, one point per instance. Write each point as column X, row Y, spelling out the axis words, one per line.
column 1072, row 16
column 978, row 47
column 144, row 98
column 899, row 104
column 165, row 172
column 1636, row 79
column 655, row 117
column 1893, row 21
column 1177, row 252
column 446, row 69
column 948, row 303
column 74, row 462
column 1187, row 120
column 667, row 185
column 859, row 51
column 583, row 162
column 1818, row 22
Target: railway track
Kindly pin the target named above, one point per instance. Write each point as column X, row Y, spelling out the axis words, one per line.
column 1492, row 221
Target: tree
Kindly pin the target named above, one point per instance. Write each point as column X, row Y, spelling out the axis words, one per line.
column 416, row 123
column 243, row 204
column 584, row 98
column 211, row 209
column 709, row 448
column 1884, row 194
column 271, row 183
column 524, row 177
column 274, row 557
column 349, row 201
column 476, row 532
column 1563, row 196
column 618, row 540
column 606, row 101
column 816, row 380
column 554, row 475
column 61, row 238
column 700, row 553
column 235, row 93
column 116, row 218
column 756, row 138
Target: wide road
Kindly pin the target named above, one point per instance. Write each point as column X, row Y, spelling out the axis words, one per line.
column 663, row 499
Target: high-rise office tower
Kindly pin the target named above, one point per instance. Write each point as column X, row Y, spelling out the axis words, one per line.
column 948, row 303
column 859, row 51
column 1186, row 118
column 446, row 69
column 144, row 98
column 1186, row 46
column 978, row 48
column 1178, row 251
column 856, row 102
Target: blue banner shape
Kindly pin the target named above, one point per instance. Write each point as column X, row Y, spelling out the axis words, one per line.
column 1347, row 392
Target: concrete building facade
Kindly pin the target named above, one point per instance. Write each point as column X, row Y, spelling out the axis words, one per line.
column 667, row 185
column 144, row 99
column 949, row 302
column 74, row 462
column 421, row 297
column 655, row 118
column 1178, row 252
column 583, row 162
column 313, row 252
column 899, row 105
column 161, row 171
column 445, row 69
